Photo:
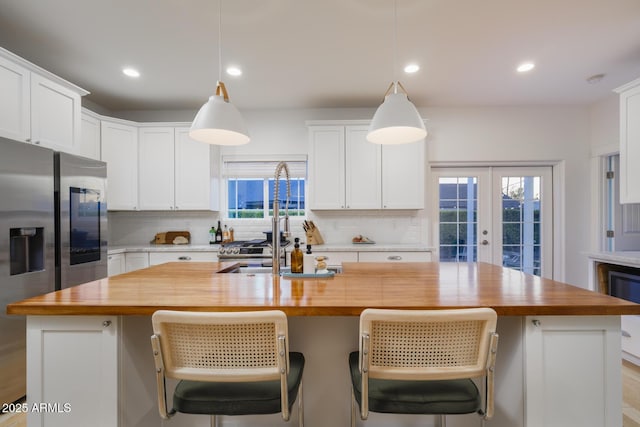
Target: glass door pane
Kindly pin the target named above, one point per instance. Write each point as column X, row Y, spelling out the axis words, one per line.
column 524, row 221
column 521, row 238
column 458, row 218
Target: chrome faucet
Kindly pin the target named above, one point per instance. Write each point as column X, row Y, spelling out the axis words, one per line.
column 275, row 229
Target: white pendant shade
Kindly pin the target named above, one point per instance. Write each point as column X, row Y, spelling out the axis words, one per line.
column 396, row 121
column 219, row 122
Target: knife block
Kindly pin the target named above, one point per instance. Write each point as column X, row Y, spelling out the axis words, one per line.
column 314, row 237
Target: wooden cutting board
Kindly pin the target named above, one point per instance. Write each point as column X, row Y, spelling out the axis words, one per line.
column 168, row 237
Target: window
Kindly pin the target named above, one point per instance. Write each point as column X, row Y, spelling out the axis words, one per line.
column 251, row 188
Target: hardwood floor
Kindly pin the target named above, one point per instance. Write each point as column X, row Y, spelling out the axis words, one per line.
column 630, row 401
column 630, row 395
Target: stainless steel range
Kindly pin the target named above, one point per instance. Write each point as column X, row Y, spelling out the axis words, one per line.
column 252, row 252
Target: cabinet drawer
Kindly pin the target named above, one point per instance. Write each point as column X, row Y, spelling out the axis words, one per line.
column 156, row 258
column 394, row 256
column 630, row 326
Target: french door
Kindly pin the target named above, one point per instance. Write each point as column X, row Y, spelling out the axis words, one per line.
column 500, row 215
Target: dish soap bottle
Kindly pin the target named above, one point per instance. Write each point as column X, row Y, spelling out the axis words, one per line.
column 308, row 263
column 296, row 257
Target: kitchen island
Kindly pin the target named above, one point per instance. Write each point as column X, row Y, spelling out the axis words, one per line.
column 558, row 359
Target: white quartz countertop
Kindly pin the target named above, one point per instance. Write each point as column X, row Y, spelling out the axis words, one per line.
column 149, row 247
column 630, row 258
column 343, row 247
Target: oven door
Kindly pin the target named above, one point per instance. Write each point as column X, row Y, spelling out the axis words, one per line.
column 81, row 220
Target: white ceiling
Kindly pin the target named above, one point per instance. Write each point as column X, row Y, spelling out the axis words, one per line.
column 329, row 53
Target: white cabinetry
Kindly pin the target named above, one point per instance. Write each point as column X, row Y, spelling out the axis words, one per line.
column 15, row 105
column 197, row 174
column 348, row 172
column 136, row 261
column 629, row 142
column 577, row 356
column 89, row 136
column 73, row 364
column 403, row 176
column 398, row 256
column 119, row 147
column 55, row 115
column 631, row 336
column 37, row 106
column 156, row 258
column 115, row 264
column 155, row 168
column 175, row 172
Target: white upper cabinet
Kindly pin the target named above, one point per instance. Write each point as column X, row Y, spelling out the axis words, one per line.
column 362, row 170
column 175, row 171
column 156, row 168
column 348, row 172
column 38, row 107
column 15, row 106
column 196, row 173
column 326, row 167
column 119, row 148
column 630, row 142
column 403, row 176
column 89, row 136
column 55, row 115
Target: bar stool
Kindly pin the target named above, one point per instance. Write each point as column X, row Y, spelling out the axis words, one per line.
column 423, row 362
column 227, row 363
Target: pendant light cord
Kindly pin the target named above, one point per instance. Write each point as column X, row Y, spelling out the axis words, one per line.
column 219, row 40
column 395, row 46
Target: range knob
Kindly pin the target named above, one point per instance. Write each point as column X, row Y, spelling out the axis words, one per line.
column 235, row 250
column 222, row 251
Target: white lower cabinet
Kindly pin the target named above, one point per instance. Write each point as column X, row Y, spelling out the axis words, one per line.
column 394, row 256
column 116, row 264
column 576, row 356
column 631, row 336
column 136, row 261
column 156, row 258
column 551, row 371
column 72, row 374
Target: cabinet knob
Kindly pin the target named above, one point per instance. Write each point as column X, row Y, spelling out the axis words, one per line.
column 106, row 323
column 394, row 257
column 184, row 258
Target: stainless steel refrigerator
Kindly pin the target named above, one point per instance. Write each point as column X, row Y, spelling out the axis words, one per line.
column 53, row 234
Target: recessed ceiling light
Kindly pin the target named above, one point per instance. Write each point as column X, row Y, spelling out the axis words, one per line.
column 234, row 71
column 131, row 72
column 411, row 68
column 525, row 66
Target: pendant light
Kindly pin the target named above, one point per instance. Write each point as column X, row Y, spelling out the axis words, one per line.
column 396, row 121
column 219, row 122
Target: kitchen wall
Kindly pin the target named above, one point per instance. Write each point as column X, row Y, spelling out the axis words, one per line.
column 554, row 135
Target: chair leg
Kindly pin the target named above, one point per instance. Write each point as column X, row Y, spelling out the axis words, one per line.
column 353, row 408
column 213, row 421
column 443, row 420
column 300, row 406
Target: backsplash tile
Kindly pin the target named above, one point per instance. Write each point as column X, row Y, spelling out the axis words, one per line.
column 336, row 227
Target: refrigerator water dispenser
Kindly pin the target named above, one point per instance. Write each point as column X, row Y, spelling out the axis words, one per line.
column 26, row 250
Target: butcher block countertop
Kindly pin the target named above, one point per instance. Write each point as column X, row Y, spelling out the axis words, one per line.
column 205, row 286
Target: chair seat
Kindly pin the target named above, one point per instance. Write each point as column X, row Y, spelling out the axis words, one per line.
column 233, row 398
column 416, row 397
